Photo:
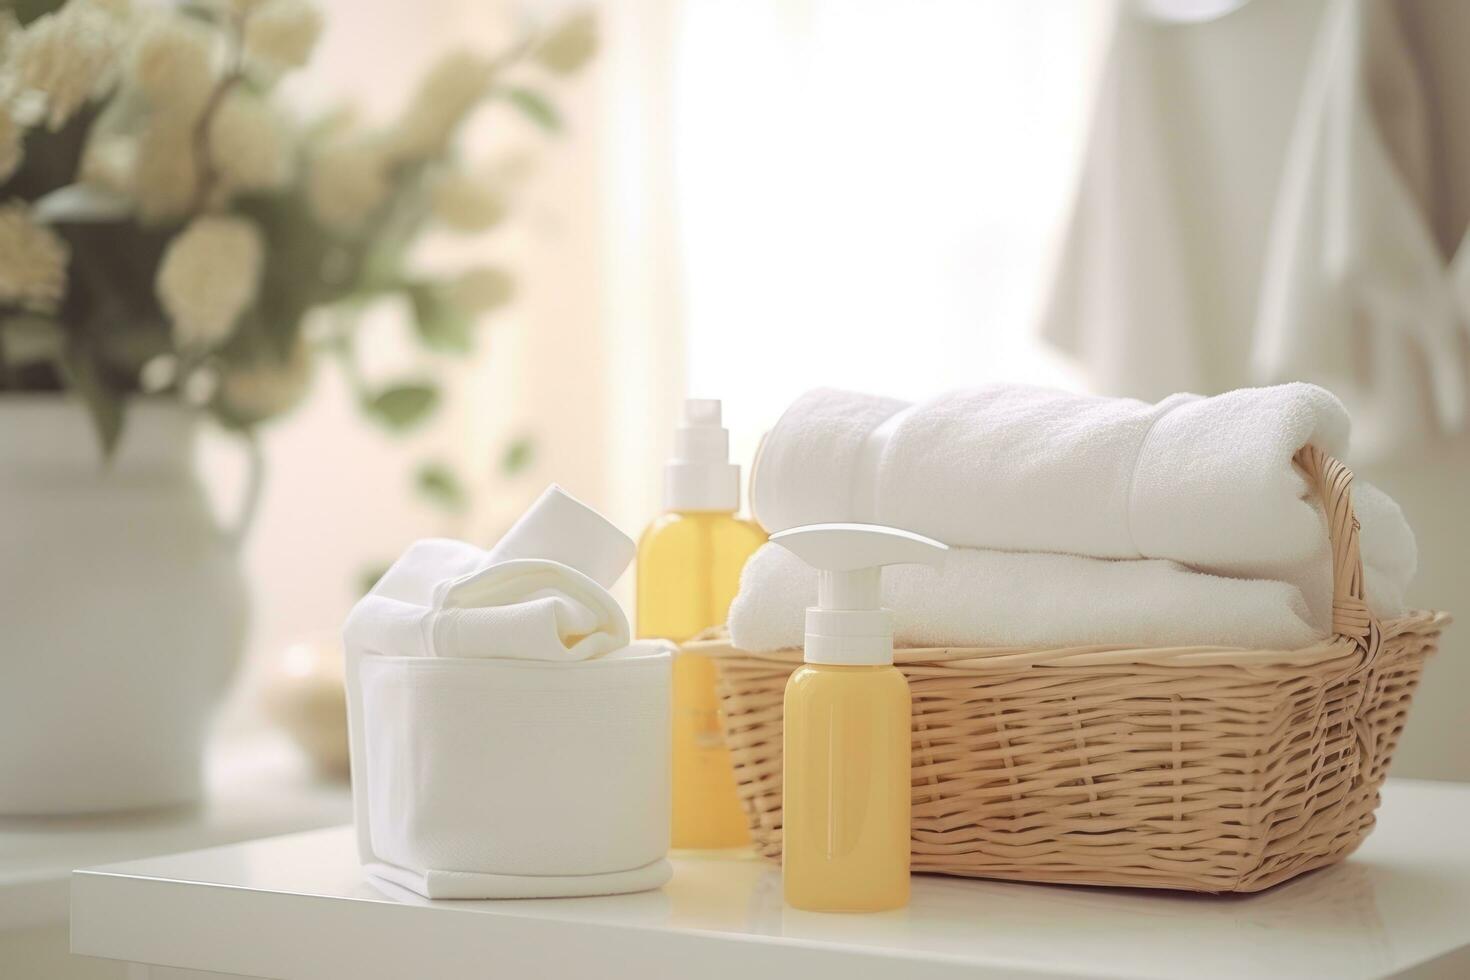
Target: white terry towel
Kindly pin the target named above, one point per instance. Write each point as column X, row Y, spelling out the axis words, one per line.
column 1205, row 482
column 450, row 599
column 999, row 598
column 539, row 594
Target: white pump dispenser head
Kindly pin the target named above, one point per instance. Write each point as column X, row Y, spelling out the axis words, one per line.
column 848, row 624
column 700, row 475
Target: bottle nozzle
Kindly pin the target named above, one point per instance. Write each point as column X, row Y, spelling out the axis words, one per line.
column 848, row 625
column 700, row 475
column 702, row 412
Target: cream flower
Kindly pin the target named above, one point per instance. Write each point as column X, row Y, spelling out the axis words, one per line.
column 255, row 391
column 347, row 179
column 173, row 63
column 199, row 386
column 109, row 160
column 158, row 372
column 208, row 277
column 248, row 146
column 32, row 261
column 11, row 144
column 281, row 34
column 445, row 96
column 165, row 174
column 65, row 58
column 467, row 203
column 10, row 30
column 481, row 290
column 570, row 45
column 118, row 9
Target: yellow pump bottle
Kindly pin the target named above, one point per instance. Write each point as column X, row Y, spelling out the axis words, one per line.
column 689, row 563
column 846, row 749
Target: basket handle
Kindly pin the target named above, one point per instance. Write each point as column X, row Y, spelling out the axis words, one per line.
column 1334, row 483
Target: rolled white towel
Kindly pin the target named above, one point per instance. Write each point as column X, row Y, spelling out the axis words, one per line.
column 1000, row 598
column 449, row 599
column 1205, row 482
column 539, row 594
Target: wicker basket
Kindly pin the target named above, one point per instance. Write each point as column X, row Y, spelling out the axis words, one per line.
column 1202, row 768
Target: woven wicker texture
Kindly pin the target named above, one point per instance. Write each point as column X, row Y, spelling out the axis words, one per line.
column 1201, row 768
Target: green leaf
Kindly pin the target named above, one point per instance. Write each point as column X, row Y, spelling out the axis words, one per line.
column 104, row 403
column 437, row 482
column 570, row 45
column 535, row 107
column 440, row 323
column 518, row 455
column 368, row 577
column 403, row 406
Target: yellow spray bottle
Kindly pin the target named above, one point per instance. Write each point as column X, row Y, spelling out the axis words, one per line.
column 689, row 563
column 846, row 790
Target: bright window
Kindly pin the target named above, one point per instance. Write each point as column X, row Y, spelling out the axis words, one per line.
column 869, row 192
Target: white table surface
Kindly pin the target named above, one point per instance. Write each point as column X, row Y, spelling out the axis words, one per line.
column 298, row 907
column 256, row 786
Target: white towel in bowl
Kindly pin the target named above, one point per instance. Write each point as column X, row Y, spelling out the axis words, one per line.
column 1001, row 598
column 446, row 598
column 1205, row 482
column 539, row 594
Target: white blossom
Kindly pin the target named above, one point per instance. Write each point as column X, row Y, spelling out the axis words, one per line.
column 172, row 62
column 158, row 372
column 570, row 45
column 109, row 160
column 32, row 261
column 280, row 34
column 248, row 145
column 260, row 389
column 200, row 386
column 347, row 179
column 165, row 173
column 481, row 290
column 466, row 202
column 209, row 276
column 453, row 87
column 12, row 136
column 64, row 59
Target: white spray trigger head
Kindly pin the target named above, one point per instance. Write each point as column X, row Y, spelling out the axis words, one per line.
column 848, row 624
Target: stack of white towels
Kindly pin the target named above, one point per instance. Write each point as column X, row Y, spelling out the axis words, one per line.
column 1073, row 519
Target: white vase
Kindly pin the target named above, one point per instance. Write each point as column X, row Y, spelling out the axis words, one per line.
column 122, row 610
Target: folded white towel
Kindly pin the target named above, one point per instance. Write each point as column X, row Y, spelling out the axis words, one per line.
column 539, row 594
column 559, row 527
column 1003, row 598
column 449, row 599
column 1206, row 482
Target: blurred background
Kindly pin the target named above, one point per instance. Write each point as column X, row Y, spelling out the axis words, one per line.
column 396, row 266
column 285, row 285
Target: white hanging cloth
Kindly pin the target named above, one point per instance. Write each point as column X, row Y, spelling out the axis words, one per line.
column 1357, row 293
column 1247, row 213
column 1155, row 290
